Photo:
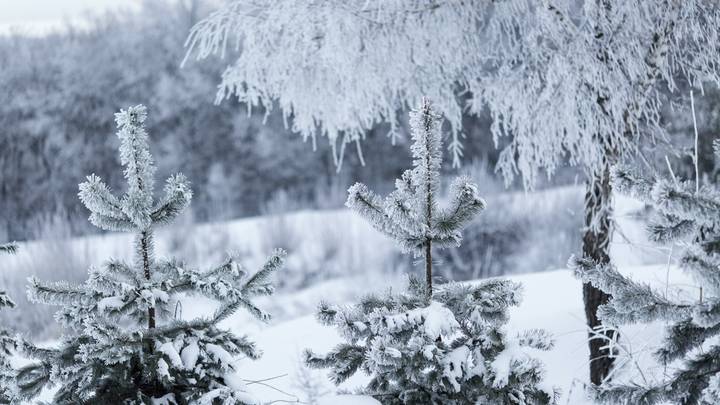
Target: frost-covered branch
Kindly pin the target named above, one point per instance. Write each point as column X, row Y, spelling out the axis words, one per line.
column 559, row 79
column 685, row 215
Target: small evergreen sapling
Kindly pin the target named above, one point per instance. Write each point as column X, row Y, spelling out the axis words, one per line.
column 410, row 214
column 125, row 343
column 691, row 218
column 7, row 344
column 442, row 345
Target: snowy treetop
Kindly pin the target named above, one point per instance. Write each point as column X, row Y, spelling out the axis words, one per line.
column 411, row 214
column 135, row 210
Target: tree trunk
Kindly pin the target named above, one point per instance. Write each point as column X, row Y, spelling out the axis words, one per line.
column 428, row 267
column 596, row 245
column 145, row 247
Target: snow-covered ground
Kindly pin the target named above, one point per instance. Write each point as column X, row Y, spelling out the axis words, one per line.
column 552, row 301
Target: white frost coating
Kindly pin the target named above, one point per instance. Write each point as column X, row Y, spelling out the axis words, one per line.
column 160, row 295
column 189, row 355
column 207, row 399
column 121, row 340
column 436, row 319
column 393, row 352
column 478, row 368
column 501, row 365
column 360, row 326
column 234, row 382
column 411, row 214
column 147, row 296
column 454, row 366
column 169, row 350
column 219, row 353
column 513, row 354
column 163, row 369
column 428, row 352
column 439, row 320
column 110, row 303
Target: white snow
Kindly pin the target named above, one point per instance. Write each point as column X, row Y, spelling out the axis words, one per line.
column 393, row 352
column 436, row 320
column 189, row 355
column 439, row 320
column 455, row 362
column 163, row 369
column 169, row 350
column 348, row 400
column 110, row 302
column 219, row 353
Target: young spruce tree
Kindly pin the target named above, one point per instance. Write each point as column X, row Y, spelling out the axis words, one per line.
column 7, row 345
column 126, row 344
column 433, row 345
column 688, row 215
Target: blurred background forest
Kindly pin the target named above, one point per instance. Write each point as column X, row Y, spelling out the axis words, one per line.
column 58, row 93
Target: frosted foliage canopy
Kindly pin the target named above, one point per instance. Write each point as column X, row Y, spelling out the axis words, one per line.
column 563, row 78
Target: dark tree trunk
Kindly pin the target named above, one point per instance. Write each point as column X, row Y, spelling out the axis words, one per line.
column 145, row 247
column 596, row 245
column 428, row 267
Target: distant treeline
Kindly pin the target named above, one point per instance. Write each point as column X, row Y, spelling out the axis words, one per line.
column 59, row 93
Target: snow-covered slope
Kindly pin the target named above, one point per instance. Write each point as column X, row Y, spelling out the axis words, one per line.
column 552, row 300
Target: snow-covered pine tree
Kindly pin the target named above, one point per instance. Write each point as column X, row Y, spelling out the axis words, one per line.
column 690, row 217
column 126, row 341
column 7, row 344
column 442, row 345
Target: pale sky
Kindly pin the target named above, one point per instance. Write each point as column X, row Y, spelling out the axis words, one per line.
column 38, row 16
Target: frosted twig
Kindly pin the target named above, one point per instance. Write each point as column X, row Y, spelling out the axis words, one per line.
column 695, row 156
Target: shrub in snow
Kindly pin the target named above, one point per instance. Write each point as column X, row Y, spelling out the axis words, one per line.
column 7, row 345
column 449, row 350
column 444, row 345
column 688, row 216
column 126, row 341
